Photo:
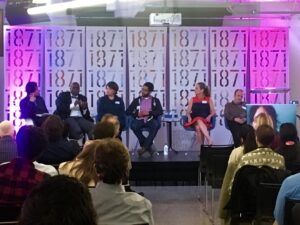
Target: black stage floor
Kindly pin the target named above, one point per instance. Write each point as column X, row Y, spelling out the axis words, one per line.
column 173, row 169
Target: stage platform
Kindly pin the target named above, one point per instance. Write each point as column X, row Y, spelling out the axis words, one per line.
column 172, row 169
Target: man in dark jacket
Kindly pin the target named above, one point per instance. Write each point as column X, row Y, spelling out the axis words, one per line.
column 33, row 105
column 145, row 110
column 72, row 107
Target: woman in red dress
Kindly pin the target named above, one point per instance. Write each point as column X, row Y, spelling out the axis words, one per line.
column 199, row 113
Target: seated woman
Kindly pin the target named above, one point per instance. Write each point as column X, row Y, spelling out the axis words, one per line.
column 83, row 166
column 113, row 104
column 247, row 138
column 58, row 149
column 200, row 111
column 289, row 146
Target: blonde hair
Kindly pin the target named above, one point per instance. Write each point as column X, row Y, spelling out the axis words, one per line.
column 263, row 119
column 85, row 170
column 6, row 128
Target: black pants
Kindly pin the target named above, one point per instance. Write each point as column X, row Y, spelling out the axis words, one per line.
column 152, row 126
column 235, row 129
column 78, row 126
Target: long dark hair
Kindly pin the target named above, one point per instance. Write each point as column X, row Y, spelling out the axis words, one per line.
column 205, row 88
column 247, row 134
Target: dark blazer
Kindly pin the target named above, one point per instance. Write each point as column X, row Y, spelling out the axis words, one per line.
column 155, row 112
column 115, row 107
column 63, row 106
column 30, row 109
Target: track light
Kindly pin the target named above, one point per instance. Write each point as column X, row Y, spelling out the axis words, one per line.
column 59, row 7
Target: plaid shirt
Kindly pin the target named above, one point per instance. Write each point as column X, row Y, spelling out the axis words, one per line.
column 17, row 178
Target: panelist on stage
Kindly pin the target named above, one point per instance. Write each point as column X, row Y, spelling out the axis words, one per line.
column 235, row 116
column 200, row 112
column 72, row 107
column 112, row 104
column 33, row 105
column 145, row 110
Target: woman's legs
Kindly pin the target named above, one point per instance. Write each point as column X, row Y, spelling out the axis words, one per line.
column 201, row 131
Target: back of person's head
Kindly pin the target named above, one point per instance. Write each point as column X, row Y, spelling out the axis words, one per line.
column 30, row 87
column 288, row 132
column 53, row 128
column 247, row 136
column 263, row 119
column 58, row 200
column 106, row 129
column 264, row 135
column 111, row 161
column 31, row 141
column 84, row 169
column 6, row 129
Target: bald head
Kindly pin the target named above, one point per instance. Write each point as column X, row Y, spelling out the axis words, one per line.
column 75, row 88
column 6, row 128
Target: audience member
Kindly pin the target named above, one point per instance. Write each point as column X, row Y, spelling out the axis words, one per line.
column 235, row 115
column 263, row 155
column 290, row 189
column 33, row 105
column 106, row 129
column 112, row 104
column 114, row 120
column 82, row 167
column 19, row 176
column 8, row 145
column 113, row 205
column 200, row 112
column 247, row 137
column 289, row 146
column 58, row 200
column 266, row 119
column 59, row 149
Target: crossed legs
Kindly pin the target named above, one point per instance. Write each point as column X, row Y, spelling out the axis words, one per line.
column 202, row 132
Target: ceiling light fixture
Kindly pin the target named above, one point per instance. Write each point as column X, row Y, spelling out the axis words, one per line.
column 59, row 7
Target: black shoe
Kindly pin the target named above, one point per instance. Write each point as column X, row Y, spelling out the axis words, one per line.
column 151, row 150
column 141, row 151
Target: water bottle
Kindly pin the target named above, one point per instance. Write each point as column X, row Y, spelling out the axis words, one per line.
column 166, row 149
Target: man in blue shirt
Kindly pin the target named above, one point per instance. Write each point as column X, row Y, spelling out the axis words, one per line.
column 290, row 188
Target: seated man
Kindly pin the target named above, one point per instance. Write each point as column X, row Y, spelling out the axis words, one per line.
column 145, row 110
column 290, row 189
column 72, row 107
column 33, row 105
column 48, row 201
column 113, row 205
column 235, row 116
column 19, row 176
column 8, row 145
